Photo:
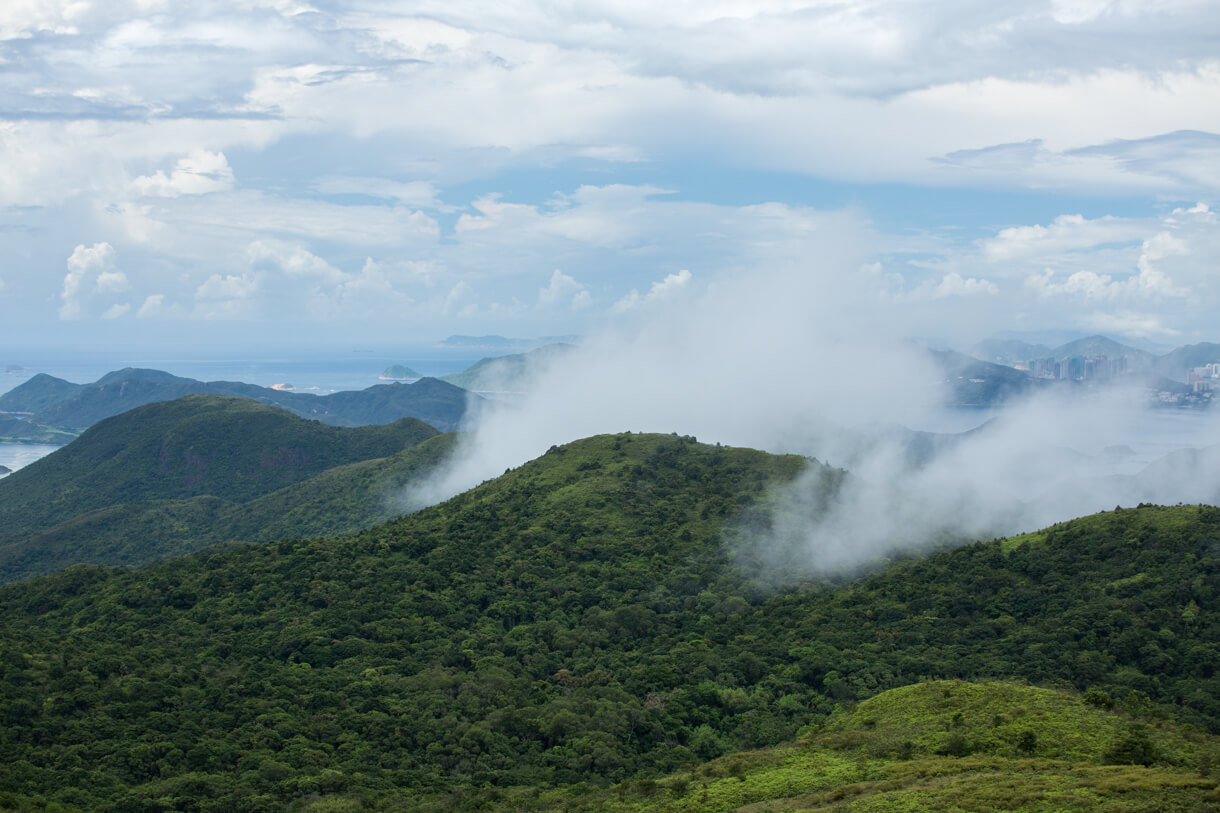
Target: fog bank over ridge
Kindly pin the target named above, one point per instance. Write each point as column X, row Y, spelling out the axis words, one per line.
column 815, row 361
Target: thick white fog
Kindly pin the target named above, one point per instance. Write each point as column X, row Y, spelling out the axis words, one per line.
column 815, row 361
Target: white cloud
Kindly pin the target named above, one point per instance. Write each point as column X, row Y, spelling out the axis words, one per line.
column 116, row 311
column 1065, row 233
column 96, row 260
column 154, row 306
column 954, row 285
column 199, row 173
column 227, row 287
column 661, row 291
column 293, row 261
column 109, row 281
column 564, row 290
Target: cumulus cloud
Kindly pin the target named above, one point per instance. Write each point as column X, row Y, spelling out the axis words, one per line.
column 424, row 135
column 199, row 173
column 293, row 260
column 1065, row 233
column 660, row 291
column 563, row 290
column 153, row 306
column 954, row 284
column 96, row 262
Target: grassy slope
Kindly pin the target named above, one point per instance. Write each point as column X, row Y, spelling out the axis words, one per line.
column 889, row 753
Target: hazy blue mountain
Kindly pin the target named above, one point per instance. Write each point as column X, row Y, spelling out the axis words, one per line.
column 38, row 393
column 1008, row 351
column 1176, row 363
column 399, row 372
column 509, row 373
column 1103, row 346
column 980, row 383
column 79, row 406
column 503, row 342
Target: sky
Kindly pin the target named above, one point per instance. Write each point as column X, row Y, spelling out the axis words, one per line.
column 230, row 173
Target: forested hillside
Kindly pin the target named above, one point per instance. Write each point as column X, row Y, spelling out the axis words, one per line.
column 172, row 476
column 577, row 620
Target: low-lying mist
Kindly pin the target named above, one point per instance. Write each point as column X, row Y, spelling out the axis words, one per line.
column 816, row 363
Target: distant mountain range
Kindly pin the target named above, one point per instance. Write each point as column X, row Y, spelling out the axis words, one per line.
column 972, row 382
column 511, row 373
column 171, row 477
column 1173, row 365
column 504, row 344
column 61, row 409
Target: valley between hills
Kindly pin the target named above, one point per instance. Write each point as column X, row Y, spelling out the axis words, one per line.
column 215, row 604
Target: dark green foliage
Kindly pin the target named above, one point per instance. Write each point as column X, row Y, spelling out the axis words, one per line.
column 1134, row 747
column 38, row 393
column 175, row 476
column 575, row 620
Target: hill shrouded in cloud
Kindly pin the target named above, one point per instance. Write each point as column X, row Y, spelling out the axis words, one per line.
column 801, row 359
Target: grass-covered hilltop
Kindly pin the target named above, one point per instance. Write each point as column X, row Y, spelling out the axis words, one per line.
column 577, row 634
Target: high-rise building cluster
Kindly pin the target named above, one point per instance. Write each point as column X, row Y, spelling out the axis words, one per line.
column 1205, row 378
column 1078, row 368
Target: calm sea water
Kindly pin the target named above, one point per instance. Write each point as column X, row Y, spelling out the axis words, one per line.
column 16, row 455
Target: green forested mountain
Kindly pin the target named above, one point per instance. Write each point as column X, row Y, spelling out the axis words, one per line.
column 38, row 393
column 168, row 477
column 337, row 501
column 75, row 407
column 587, row 618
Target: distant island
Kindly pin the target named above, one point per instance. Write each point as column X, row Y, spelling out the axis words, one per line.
column 502, row 343
column 399, row 372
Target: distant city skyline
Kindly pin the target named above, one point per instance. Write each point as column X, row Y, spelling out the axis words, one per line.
column 237, row 175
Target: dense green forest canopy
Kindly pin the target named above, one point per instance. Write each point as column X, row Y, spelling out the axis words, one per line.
column 175, row 476
column 578, row 619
